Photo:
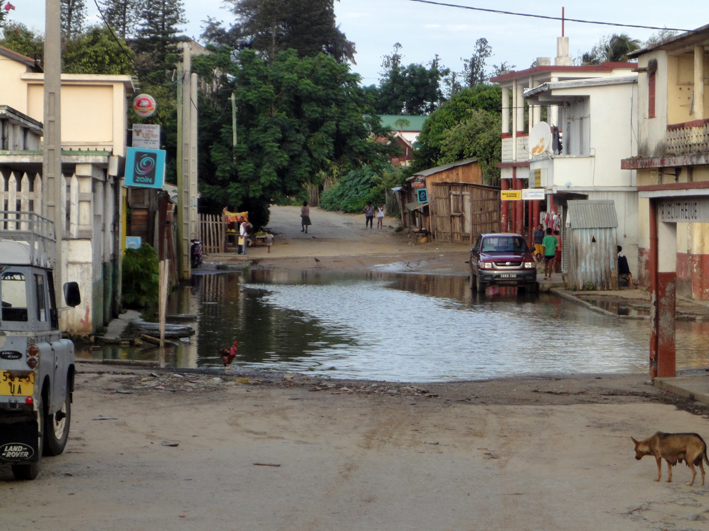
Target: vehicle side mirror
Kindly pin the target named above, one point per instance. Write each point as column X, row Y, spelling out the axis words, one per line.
column 474, row 250
column 72, row 295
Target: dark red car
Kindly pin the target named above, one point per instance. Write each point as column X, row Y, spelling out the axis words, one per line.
column 502, row 259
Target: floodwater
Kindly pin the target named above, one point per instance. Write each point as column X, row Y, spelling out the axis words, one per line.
column 403, row 327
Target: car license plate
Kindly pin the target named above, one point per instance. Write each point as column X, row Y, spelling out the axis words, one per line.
column 16, row 383
column 508, row 275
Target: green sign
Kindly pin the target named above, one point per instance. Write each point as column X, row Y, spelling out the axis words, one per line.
column 422, row 195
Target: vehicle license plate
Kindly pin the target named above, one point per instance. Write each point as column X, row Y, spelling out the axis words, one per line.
column 16, row 383
column 508, row 275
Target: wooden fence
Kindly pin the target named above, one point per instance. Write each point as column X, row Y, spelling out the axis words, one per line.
column 213, row 233
column 461, row 211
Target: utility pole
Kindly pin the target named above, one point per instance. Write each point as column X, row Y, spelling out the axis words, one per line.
column 183, row 164
column 233, row 124
column 52, row 160
column 194, row 221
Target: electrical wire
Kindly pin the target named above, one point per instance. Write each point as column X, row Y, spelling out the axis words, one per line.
column 545, row 17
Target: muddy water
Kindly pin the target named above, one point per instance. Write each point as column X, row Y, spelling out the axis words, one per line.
column 408, row 327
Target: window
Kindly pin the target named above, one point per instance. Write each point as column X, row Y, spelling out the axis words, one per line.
column 14, row 297
column 41, row 292
column 651, row 95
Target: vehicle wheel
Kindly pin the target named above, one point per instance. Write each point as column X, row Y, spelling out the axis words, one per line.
column 29, row 471
column 56, row 426
column 479, row 286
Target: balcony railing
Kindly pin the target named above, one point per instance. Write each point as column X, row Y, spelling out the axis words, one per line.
column 522, row 150
column 687, row 137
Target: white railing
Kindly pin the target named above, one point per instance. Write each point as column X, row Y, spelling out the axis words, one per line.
column 688, row 137
column 508, row 149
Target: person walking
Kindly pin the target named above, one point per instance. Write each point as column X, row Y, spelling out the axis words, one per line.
column 305, row 217
column 557, row 259
column 368, row 215
column 550, row 243
column 269, row 241
column 538, row 239
column 380, row 216
column 243, row 235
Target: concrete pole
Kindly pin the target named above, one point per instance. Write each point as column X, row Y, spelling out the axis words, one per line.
column 520, row 108
column 504, row 206
column 515, row 119
column 663, row 319
column 194, row 222
column 698, row 83
column 505, row 110
column 183, row 173
column 52, row 161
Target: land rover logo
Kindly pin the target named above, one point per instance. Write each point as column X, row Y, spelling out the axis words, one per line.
column 16, row 452
column 10, row 355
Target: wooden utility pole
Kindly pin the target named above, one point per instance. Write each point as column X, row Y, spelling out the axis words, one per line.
column 52, row 160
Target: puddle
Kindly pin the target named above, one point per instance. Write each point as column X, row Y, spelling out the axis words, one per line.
column 402, row 327
column 618, row 307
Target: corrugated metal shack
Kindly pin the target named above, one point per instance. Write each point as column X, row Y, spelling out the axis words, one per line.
column 590, row 240
column 459, row 205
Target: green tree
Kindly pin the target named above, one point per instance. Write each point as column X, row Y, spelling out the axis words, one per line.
column 73, row 16
column 414, row 89
column 21, row 39
column 456, row 111
column 298, row 118
column 612, row 49
column 122, row 15
column 156, row 40
column 271, row 26
column 96, row 52
column 474, row 68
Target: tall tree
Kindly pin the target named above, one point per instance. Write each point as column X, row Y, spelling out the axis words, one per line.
column 73, row 16
column 96, row 52
column 156, row 41
column 270, row 26
column 474, row 72
column 21, row 39
column 122, row 15
column 612, row 49
column 414, row 89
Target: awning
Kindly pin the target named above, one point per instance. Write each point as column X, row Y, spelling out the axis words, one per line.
column 416, row 206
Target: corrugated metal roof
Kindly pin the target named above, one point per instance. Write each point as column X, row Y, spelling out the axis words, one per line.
column 438, row 169
column 592, row 214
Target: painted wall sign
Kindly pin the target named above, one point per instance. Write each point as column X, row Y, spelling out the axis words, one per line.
column 133, row 242
column 144, row 105
column 146, row 136
column 145, row 168
column 538, row 178
column 533, row 194
column 511, row 195
column 684, row 210
column 422, row 195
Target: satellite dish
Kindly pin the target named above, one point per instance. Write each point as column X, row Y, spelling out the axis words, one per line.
column 539, row 139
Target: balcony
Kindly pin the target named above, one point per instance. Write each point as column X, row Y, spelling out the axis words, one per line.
column 522, row 151
column 687, row 137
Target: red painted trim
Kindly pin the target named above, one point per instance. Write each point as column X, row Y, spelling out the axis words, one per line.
column 700, row 185
column 651, row 95
column 603, row 67
column 522, row 133
column 510, row 135
column 687, row 125
column 512, row 165
column 506, row 135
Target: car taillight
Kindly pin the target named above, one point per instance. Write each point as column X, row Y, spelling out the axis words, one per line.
column 32, row 356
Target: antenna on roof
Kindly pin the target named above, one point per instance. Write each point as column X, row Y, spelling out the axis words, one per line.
column 562, row 21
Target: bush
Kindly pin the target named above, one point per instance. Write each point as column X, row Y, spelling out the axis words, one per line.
column 140, row 277
column 352, row 192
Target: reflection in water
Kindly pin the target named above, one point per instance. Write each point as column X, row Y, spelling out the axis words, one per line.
column 406, row 327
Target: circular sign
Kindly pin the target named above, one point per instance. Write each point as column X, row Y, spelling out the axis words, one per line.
column 144, row 105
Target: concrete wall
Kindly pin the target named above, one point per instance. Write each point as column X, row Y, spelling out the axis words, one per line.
column 651, row 131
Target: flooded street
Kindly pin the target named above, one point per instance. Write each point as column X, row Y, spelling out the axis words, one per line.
column 403, row 327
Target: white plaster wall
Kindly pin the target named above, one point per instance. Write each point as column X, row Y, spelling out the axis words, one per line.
column 570, row 172
column 78, row 268
column 651, row 131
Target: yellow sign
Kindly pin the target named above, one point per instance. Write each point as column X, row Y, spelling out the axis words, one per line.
column 511, row 195
column 537, row 178
column 16, row 383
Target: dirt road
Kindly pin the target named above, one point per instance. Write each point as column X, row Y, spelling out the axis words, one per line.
column 320, row 455
column 283, row 452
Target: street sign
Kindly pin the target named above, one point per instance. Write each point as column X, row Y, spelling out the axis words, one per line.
column 145, row 168
column 422, row 195
column 533, row 194
column 511, row 195
column 144, row 105
column 146, row 136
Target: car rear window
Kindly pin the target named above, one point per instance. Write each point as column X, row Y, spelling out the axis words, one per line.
column 504, row 244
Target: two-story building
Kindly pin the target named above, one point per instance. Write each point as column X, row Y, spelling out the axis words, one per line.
column 585, row 166
column 672, row 167
column 94, row 124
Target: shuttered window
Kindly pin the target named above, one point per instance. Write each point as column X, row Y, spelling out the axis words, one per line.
column 651, row 96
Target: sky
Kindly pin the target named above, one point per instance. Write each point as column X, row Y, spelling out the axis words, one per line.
column 426, row 30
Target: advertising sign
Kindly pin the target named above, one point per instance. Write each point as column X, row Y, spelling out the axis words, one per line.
column 538, row 178
column 133, row 242
column 145, row 168
column 144, row 105
column 422, row 195
column 533, row 194
column 146, row 136
column 511, row 195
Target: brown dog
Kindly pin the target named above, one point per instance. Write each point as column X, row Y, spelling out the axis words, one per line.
column 674, row 448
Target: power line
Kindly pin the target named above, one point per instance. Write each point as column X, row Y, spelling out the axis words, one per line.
column 546, row 17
